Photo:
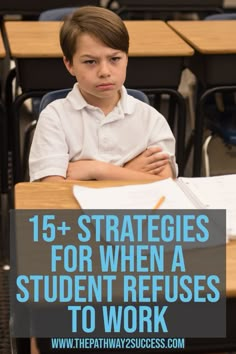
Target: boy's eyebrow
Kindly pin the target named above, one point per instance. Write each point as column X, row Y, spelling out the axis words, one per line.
column 88, row 56
column 94, row 57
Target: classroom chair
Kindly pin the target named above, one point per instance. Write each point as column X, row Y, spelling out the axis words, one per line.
column 56, row 14
column 48, row 98
column 222, row 16
column 54, row 95
column 220, row 110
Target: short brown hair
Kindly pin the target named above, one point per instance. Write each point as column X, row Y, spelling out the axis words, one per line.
column 96, row 21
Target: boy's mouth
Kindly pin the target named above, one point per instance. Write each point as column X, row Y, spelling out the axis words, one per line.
column 107, row 85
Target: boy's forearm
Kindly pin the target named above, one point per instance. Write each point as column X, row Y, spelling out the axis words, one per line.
column 107, row 171
column 99, row 170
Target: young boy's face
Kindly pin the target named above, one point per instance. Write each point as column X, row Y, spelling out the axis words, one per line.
column 99, row 70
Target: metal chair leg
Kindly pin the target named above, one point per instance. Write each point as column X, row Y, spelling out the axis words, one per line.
column 206, row 155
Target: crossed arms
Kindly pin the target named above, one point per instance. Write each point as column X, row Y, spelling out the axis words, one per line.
column 152, row 164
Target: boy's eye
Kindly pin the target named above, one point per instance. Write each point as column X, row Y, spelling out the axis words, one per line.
column 115, row 59
column 89, row 61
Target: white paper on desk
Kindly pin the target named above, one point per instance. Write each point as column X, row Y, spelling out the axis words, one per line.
column 218, row 192
column 138, row 196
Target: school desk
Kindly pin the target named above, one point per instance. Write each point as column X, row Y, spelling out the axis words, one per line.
column 213, row 63
column 36, row 196
column 156, row 60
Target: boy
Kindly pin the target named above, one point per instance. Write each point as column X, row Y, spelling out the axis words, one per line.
column 98, row 131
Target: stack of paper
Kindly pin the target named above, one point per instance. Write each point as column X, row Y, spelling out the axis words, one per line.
column 218, row 192
column 185, row 193
column 139, row 196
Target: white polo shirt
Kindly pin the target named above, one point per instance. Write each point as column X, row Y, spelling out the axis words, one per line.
column 70, row 129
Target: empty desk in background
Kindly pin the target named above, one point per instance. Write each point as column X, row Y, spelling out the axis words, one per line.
column 213, row 63
column 156, row 61
column 35, row 196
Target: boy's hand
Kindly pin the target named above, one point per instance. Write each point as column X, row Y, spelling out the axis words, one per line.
column 152, row 161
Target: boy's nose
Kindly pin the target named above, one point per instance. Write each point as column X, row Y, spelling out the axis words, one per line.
column 104, row 70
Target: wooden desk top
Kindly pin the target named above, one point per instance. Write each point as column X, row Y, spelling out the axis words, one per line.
column 208, row 37
column 50, row 195
column 31, row 39
column 36, row 195
column 154, row 38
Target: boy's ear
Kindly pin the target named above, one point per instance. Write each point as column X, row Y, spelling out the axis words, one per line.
column 68, row 66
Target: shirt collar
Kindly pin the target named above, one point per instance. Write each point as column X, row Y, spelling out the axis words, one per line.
column 76, row 99
column 126, row 102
